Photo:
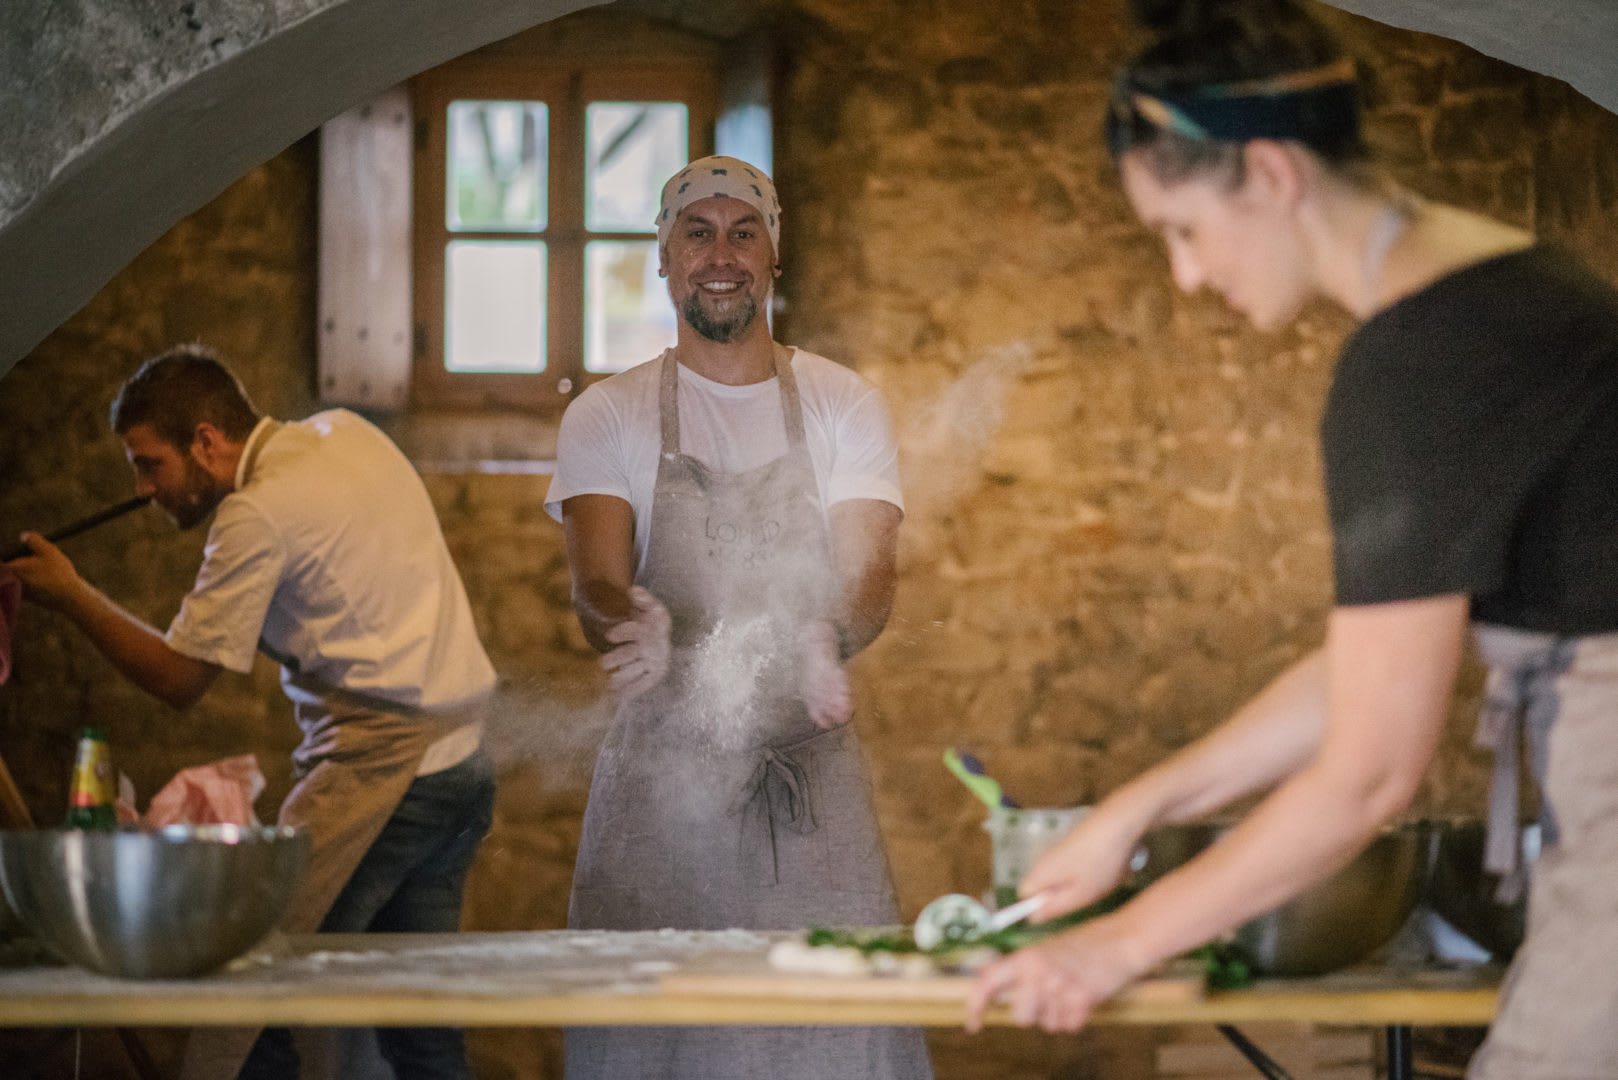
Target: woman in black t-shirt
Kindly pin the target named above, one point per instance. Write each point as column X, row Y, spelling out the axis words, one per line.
column 1471, row 445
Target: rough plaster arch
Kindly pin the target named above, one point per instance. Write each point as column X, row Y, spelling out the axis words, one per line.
column 119, row 119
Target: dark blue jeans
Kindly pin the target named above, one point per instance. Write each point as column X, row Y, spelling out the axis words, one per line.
column 410, row 881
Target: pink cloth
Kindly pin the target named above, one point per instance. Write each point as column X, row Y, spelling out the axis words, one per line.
column 10, row 602
column 219, row 793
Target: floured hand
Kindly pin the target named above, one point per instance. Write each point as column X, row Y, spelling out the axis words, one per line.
column 640, row 657
column 824, row 683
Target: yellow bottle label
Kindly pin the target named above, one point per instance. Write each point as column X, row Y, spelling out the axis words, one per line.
column 92, row 776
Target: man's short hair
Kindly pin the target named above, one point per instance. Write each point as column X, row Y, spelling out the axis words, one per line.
column 180, row 388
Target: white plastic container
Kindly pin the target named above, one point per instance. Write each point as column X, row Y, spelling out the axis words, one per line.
column 1019, row 837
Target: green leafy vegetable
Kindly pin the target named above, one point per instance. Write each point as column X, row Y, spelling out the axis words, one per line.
column 902, row 940
column 1227, row 965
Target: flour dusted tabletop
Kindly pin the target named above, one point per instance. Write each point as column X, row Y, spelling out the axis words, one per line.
column 556, row 978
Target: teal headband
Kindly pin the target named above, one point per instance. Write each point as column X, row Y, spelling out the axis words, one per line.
column 1315, row 107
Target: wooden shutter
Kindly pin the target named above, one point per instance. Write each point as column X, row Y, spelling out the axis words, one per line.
column 744, row 127
column 364, row 344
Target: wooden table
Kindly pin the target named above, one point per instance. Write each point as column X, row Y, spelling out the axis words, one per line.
column 558, row 978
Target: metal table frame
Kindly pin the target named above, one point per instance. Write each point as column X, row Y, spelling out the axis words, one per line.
column 1401, row 1063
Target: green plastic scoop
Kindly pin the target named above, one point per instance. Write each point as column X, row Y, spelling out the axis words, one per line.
column 970, row 771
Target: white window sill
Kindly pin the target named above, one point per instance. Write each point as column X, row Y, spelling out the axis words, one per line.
column 476, row 442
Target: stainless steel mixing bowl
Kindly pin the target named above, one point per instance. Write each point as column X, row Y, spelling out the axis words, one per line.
column 1339, row 922
column 169, row 903
column 1465, row 894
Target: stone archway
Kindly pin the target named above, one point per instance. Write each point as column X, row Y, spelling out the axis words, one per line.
column 120, row 119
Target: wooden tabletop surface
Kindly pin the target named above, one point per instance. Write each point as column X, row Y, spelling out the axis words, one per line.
column 553, row 978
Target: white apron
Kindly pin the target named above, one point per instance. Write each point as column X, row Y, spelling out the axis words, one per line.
column 1558, row 1015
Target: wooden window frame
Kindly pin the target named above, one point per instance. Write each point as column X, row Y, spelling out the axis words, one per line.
column 566, row 88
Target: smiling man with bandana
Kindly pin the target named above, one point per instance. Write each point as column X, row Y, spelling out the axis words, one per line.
column 732, row 510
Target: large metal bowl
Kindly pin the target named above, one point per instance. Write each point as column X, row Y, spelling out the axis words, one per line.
column 1338, row 922
column 169, row 903
column 1465, row 894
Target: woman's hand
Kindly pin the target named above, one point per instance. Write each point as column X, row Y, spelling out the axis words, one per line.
column 1057, row 984
column 1090, row 860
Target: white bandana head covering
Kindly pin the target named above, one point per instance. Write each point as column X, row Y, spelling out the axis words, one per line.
column 710, row 176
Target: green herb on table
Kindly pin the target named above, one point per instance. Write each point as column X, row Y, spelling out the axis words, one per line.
column 1226, row 964
column 901, row 940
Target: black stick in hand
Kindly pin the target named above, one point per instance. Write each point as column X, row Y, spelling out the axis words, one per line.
column 67, row 532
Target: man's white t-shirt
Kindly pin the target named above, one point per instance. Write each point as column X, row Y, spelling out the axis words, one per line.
column 611, row 436
column 329, row 557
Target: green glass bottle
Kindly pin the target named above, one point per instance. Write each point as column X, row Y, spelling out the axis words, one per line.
column 90, row 803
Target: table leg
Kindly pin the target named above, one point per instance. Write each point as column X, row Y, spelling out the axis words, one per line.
column 1249, row 1050
column 1400, row 1058
column 139, row 1058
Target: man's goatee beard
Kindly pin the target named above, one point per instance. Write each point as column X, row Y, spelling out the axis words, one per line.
column 722, row 332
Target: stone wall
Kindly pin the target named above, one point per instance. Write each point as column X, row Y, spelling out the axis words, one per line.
column 1115, row 534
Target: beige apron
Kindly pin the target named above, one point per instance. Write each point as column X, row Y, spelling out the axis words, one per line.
column 716, row 802
column 1558, row 1015
column 357, row 759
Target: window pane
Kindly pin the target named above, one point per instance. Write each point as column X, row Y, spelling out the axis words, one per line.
column 497, row 165
column 628, row 317
column 633, row 146
column 494, row 305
